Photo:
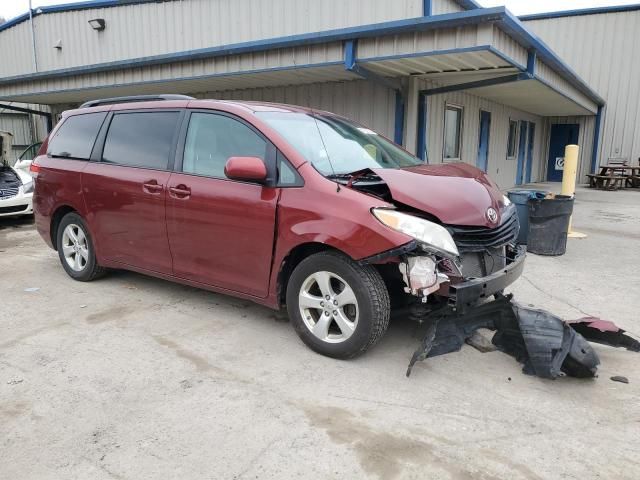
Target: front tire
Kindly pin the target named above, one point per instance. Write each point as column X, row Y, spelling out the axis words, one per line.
column 76, row 250
column 338, row 307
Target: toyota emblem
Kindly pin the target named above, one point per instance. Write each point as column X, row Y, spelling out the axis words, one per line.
column 492, row 215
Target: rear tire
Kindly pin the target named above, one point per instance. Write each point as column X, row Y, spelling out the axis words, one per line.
column 338, row 307
column 75, row 249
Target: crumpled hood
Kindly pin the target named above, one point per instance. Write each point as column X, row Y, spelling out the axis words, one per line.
column 455, row 193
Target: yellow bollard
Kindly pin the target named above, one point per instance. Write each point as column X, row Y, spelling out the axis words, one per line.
column 569, row 174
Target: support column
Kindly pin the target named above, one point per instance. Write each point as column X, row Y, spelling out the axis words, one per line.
column 411, row 115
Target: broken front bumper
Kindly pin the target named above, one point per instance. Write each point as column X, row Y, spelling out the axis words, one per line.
column 470, row 292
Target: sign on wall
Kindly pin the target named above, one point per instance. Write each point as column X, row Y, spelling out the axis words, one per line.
column 559, row 163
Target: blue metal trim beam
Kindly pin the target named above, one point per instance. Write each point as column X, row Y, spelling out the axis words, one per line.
column 478, row 84
column 596, row 140
column 427, row 8
column 582, row 11
column 392, row 83
column 531, row 62
column 351, row 64
column 398, row 131
column 350, row 47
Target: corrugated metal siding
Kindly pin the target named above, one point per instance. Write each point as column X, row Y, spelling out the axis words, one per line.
column 233, row 64
column 440, row 7
column 19, row 125
column 552, row 78
column 16, row 55
column 604, row 49
column 442, row 39
column 509, row 46
column 163, row 27
column 368, row 103
column 503, row 171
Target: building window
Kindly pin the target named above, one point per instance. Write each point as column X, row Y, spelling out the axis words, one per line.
column 512, row 143
column 452, row 132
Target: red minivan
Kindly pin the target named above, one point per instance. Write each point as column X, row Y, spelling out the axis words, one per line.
column 286, row 206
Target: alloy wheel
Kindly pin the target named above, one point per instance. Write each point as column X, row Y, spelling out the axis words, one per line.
column 75, row 247
column 328, row 307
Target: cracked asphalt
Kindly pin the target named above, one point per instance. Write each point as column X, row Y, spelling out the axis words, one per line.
column 131, row 377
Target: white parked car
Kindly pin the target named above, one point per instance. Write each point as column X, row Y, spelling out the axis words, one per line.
column 16, row 184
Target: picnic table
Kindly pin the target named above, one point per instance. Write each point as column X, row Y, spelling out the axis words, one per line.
column 615, row 175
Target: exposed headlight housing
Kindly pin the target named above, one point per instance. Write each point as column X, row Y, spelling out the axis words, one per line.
column 432, row 236
column 505, row 201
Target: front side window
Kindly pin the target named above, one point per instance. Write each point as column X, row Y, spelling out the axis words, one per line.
column 452, row 132
column 512, row 145
column 76, row 136
column 141, row 139
column 212, row 139
column 335, row 145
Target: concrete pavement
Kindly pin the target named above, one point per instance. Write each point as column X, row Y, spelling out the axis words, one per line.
column 131, row 377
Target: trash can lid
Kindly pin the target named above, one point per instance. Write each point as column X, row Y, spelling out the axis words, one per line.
column 526, row 194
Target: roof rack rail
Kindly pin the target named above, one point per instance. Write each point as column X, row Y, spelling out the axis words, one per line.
column 133, row 98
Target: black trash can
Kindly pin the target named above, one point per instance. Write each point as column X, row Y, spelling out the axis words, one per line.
column 520, row 199
column 549, row 224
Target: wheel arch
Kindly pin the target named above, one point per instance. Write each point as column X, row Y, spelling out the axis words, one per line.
column 56, row 218
column 292, row 259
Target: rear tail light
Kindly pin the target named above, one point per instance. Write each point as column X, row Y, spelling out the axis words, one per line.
column 34, row 169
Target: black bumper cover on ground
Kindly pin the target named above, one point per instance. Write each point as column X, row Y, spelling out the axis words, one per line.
column 469, row 293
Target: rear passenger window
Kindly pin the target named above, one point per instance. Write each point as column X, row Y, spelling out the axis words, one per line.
column 212, row 139
column 141, row 139
column 76, row 136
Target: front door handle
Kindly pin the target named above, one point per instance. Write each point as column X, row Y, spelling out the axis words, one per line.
column 181, row 191
column 152, row 186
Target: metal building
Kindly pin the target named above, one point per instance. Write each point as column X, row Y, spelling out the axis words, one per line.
column 603, row 46
column 448, row 79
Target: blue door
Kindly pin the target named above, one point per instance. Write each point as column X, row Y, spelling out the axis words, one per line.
column 532, row 137
column 561, row 136
column 483, row 142
column 522, row 151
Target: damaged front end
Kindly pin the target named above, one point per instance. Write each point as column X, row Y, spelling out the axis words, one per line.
column 455, row 266
column 547, row 346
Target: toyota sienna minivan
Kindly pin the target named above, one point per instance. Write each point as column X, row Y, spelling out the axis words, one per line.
column 286, row 206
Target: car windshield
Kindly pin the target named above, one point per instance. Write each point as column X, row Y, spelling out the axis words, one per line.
column 336, row 146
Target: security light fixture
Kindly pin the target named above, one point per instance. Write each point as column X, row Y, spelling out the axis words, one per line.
column 98, row 24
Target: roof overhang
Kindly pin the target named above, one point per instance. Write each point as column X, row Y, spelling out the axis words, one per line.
column 497, row 44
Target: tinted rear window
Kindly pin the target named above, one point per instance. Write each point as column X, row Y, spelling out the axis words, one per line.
column 76, row 136
column 141, row 139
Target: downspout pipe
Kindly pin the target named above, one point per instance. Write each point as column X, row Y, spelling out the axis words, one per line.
column 596, row 140
column 33, row 38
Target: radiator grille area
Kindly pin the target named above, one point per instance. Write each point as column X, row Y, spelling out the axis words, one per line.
column 8, row 192
column 479, row 239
